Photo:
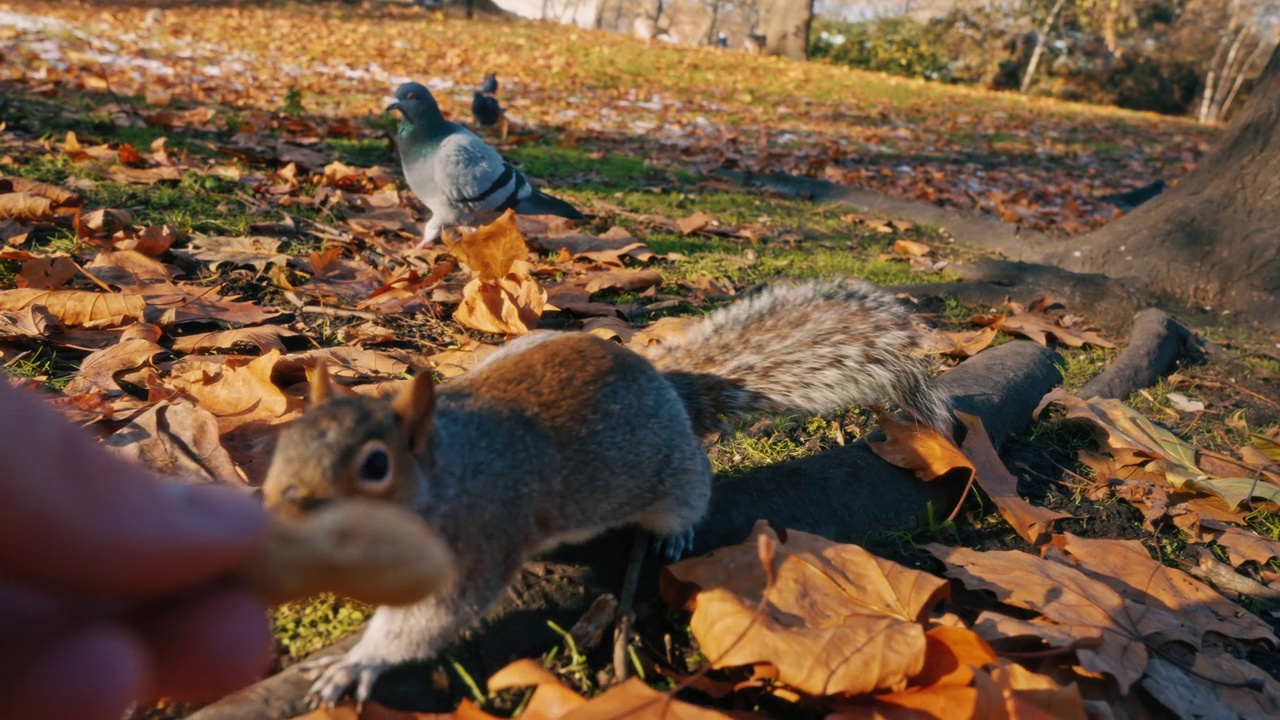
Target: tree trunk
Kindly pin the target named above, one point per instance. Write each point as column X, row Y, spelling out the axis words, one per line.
column 1214, row 238
column 786, row 28
column 1041, row 38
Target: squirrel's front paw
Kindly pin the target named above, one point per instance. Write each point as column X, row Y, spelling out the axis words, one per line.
column 672, row 548
column 335, row 675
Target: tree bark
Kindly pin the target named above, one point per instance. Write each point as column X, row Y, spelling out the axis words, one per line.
column 1214, row 238
column 786, row 28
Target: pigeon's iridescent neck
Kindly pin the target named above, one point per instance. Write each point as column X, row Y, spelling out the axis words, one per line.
column 423, row 129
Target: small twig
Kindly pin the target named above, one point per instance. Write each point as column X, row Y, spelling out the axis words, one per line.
column 626, row 600
column 1081, row 644
column 91, row 277
column 338, row 312
column 1224, row 577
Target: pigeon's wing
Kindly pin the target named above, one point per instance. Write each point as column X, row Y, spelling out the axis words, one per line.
column 475, row 177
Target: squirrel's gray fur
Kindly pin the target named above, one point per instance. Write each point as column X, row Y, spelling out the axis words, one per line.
column 559, row 436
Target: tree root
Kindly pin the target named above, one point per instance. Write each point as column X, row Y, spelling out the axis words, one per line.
column 1100, row 299
column 844, row 494
column 1156, row 342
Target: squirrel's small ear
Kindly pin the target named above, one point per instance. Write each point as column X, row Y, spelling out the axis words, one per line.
column 319, row 381
column 414, row 405
column 322, row 385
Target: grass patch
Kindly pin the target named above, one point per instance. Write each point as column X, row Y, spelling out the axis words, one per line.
column 303, row 627
column 553, row 162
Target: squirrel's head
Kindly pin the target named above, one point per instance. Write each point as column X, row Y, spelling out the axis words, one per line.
column 348, row 445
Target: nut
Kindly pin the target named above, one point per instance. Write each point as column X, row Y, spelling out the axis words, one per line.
column 367, row 550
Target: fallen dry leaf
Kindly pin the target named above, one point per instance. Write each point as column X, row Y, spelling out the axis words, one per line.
column 911, row 248
column 550, row 700
column 77, row 307
column 170, row 304
column 694, row 222
column 153, row 241
column 1126, row 567
column 919, row 448
column 1216, row 685
column 127, row 269
column 1029, row 695
column 510, row 306
column 27, row 207
column 963, row 344
column 217, row 251
column 263, row 337
column 1032, row 523
column 838, row 619
column 1032, row 323
column 236, row 393
column 623, row 280
column 1242, row 545
column 46, row 273
column 99, row 370
column 491, row 250
column 634, row 699
column 457, row 361
column 1070, row 598
column 177, row 439
column 30, row 322
column 349, row 362
column 667, row 329
column 60, row 197
column 1120, row 428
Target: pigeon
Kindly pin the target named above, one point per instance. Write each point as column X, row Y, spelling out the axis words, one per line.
column 1127, row 201
column 484, row 106
column 460, row 179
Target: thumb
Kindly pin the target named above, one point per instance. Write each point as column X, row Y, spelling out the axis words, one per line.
column 75, row 517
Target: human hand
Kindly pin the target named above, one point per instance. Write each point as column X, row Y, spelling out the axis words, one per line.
column 108, row 577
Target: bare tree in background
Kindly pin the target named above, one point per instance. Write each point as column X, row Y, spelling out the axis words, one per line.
column 1041, row 38
column 1242, row 44
column 785, row 26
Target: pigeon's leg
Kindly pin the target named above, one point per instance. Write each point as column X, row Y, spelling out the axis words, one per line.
column 431, row 232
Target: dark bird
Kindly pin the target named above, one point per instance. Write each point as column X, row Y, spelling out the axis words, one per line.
column 484, row 105
column 1133, row 198
column 458, row 176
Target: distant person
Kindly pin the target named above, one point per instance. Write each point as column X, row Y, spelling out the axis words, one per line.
column 109, row 591
column 722, row 40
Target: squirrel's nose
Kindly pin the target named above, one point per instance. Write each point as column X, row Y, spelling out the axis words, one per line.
column 294, row 500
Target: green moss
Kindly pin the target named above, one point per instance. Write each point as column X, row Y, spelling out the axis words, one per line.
column 301, row 628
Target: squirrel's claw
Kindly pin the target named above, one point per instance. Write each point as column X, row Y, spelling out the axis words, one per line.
column 312, row 669
column 337, row 675
column 671, row 548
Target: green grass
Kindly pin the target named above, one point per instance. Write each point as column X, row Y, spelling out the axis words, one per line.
column 1080, row 365
column 363, row 152
column 552, row 162
column 303, row 627
column 54, row 372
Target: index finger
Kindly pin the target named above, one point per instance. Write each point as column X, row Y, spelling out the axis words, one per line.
column 74, row 516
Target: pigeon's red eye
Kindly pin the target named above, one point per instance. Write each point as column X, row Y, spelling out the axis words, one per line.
column 411, row 96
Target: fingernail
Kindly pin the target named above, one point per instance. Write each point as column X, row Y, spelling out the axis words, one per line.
column 219, row 510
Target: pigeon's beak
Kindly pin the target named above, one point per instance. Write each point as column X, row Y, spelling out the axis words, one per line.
column 394, row 106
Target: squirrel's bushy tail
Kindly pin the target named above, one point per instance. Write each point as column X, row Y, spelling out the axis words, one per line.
column 813, row 347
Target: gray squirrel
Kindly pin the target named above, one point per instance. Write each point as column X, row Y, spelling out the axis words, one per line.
column 556, row 437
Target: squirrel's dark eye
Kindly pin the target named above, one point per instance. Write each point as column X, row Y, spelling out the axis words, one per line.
column 373, row 467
